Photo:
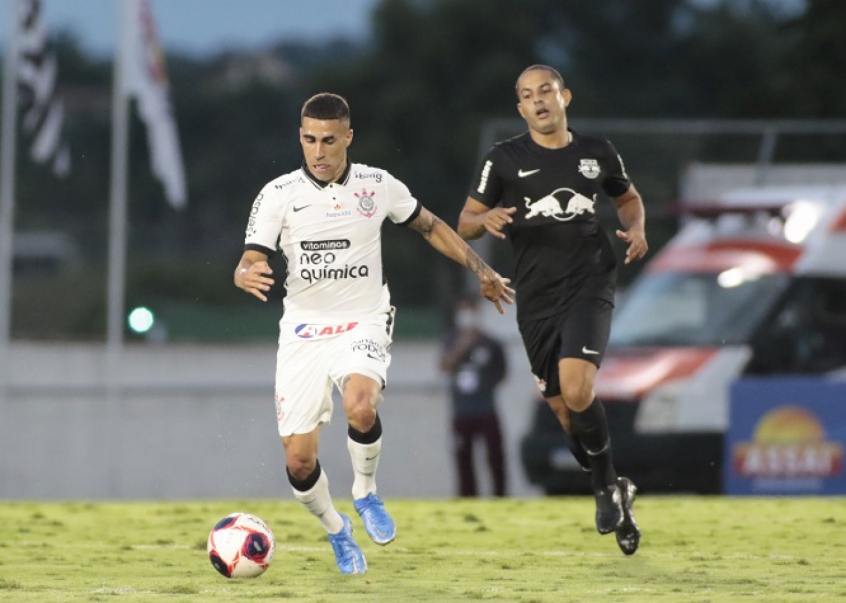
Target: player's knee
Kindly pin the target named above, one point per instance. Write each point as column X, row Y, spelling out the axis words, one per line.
column 361, row 410
column 362, row 418
column 300, row 465
column 578, row 394
column 300, row 458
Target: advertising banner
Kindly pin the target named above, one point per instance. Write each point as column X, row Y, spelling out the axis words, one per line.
column 786, row 436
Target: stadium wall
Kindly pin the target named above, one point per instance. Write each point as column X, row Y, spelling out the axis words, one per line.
column 184, row 421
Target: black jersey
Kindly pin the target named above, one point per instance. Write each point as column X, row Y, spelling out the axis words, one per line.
column 474, row 379
column 561, row 252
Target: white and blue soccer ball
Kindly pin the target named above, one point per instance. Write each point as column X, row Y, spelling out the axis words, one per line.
column 241, row 546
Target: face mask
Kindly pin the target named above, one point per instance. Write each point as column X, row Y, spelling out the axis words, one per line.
column 466, row 319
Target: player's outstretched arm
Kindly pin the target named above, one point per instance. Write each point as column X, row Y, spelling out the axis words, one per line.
column 253, row 274
column 632, row 216
column 476, row 218
column 443, row 238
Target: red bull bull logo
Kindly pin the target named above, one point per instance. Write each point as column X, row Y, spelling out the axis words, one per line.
column 550, row 206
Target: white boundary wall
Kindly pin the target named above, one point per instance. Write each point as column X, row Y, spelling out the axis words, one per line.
column 199, row 422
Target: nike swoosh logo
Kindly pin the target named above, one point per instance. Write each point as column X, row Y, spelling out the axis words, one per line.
column 300, row 208
column 587, row 351
column 523, row 174
column 370, row 458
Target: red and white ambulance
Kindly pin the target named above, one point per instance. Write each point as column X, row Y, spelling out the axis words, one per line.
column 754, row 283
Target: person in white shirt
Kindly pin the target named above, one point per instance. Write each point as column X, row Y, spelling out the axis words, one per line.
column 326, row 218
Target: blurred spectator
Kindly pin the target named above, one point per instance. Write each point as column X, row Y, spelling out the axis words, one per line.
column 476, row 365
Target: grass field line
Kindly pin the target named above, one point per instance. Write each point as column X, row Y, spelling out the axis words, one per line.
column 117, row 591
column 282, row 547
column 694, row 555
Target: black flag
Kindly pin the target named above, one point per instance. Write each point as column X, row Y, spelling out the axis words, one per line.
column 42, row 110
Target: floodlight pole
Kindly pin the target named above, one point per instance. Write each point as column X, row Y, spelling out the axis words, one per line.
column 118, row 202
column 7, row 194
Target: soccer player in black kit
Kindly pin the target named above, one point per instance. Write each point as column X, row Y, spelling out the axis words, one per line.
column 540, row 190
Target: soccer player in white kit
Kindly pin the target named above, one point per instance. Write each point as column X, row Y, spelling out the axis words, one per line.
column 326, row 218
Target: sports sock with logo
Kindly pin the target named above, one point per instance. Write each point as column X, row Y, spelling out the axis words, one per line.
column 591, row 427
column 313, row 493
column 365, row 449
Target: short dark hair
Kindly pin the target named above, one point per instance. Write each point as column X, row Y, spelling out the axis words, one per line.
column 326, row 106
column 551, row 70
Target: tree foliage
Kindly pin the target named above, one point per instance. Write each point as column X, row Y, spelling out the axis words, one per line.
column 420, row 89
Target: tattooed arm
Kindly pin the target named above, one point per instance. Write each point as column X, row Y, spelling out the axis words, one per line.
column 446, row 240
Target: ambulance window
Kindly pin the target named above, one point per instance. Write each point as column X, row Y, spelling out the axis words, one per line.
column 694, row 309
column 830, row 321
column 807, row 334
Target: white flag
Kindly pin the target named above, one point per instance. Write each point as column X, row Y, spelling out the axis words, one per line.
column 145, row 78
column 43, row 111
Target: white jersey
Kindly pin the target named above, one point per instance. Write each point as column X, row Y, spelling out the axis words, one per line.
column 330, row 235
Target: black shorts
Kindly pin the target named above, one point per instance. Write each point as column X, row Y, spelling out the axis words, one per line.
column 581, row 330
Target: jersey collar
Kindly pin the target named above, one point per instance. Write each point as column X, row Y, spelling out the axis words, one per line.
column 342, row 180
column 574, row 137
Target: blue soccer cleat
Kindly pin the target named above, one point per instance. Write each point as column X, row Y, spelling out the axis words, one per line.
column 379, row 525
column 348, row 555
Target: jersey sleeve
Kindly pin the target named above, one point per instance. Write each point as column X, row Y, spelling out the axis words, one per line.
column 617, row 181
column 402, row 206
column 265, row 223
column 487, row 185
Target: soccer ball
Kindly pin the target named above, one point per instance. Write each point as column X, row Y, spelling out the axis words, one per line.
column 241, row 546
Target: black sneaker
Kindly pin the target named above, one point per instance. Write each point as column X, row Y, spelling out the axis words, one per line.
column 628, row 534
column 609, row 509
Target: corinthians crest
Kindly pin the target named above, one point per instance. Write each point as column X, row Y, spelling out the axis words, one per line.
column 589, row 168
column 366, row 204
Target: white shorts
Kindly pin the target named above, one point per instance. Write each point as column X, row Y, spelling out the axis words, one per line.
column 313, row 357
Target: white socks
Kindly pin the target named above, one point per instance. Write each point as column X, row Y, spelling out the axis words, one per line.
column 365, row 460
column 319, row 503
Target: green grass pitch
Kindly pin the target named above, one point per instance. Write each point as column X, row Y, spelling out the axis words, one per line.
column 698, row 549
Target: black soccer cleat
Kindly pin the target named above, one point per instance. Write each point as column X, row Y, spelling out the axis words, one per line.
column 628, row 534
column 609, row 509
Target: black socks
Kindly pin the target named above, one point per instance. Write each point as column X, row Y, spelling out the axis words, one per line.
column 591, row 427
column 306, row 484
column 366, row 438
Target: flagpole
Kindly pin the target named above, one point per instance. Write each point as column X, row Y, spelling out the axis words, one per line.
column 117, row 194
column 7, row 192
